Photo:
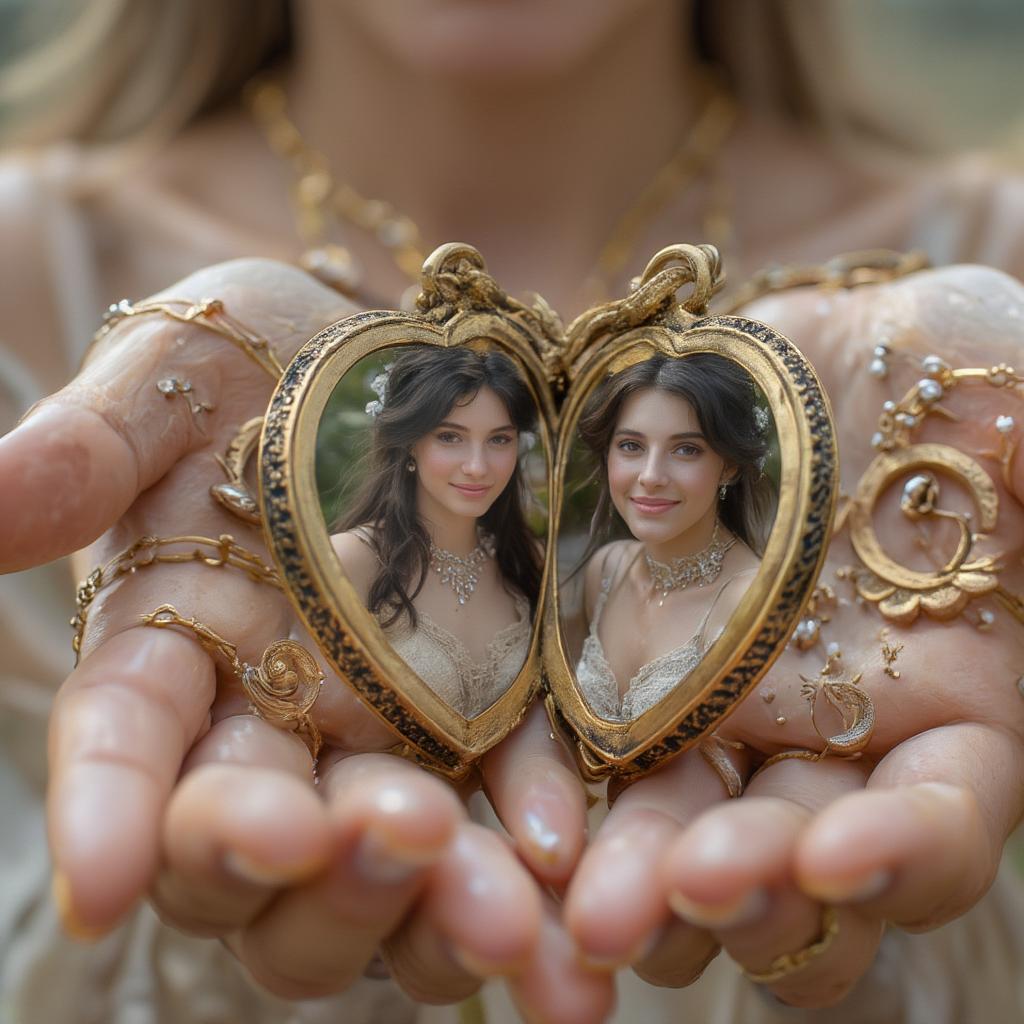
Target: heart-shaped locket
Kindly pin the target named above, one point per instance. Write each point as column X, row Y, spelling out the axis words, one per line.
column 405, row 472
column 692, row 504
column 453, row 540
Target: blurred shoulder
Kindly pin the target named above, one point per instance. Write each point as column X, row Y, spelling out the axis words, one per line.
column 970, row 209
column 43, row 228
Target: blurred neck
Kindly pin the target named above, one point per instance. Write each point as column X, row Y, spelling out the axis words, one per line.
column 532, row 170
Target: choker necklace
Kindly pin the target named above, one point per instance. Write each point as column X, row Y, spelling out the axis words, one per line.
column 461, row 574
column 700, row 568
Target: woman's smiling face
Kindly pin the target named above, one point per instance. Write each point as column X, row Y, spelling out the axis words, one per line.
column 467, row 460
column 663, row 476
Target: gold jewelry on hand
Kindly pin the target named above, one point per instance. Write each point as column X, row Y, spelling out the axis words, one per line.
column 148, row 551
column 847, row 697
column 713, row 750
column 208, row 313
column 235, row 495
column 890, row 652
column 789, row 963
column 282, row 689
column 171, row 386
column 856, row 707
column 899, row 592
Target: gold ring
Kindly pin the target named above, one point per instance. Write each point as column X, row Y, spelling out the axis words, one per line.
column 789, row 963
column 713, row 749
column 282, row 688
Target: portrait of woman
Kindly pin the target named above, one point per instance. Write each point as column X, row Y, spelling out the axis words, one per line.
column 436, row 542
column 681, row 445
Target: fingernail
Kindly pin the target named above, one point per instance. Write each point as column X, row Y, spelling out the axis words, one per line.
column 481, row 967
column 544, row 840
column 69, row 919
column 745, row 908
column 940, row 798
column 382, row 864
column 605, row 962
column 851, row 890
column 248, row 870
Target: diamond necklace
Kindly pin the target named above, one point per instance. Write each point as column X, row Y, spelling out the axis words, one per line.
column 461, row 574
column 700, row 568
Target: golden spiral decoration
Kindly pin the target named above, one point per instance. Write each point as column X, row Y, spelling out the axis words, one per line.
column 285, row 684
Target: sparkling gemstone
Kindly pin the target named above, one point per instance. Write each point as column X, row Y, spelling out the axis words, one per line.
column 997, row 375
column 878, row 368
column 1004, row 424
column 888, row 406
column 167, row 386
column 929, row 390
column 881, row 351
column 833, row 650
column 986, row 616
column 877, row 439
column 906, row 419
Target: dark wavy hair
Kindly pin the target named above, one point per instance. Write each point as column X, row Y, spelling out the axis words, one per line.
column 424, row 384
column 725, row 400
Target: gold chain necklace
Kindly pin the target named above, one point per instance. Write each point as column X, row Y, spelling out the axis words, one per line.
column 321, row 199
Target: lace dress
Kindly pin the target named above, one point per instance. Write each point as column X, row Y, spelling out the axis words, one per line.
column 445, row 664
column 654, row 680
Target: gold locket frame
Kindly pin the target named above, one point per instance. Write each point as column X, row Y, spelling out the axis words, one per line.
column 460, row 305
column 619, row 335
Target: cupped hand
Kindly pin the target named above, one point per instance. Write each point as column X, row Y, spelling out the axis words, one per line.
column 822, row 852
column 161, row 780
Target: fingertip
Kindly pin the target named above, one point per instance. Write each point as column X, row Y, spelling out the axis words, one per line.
column 618, row 880
column 477, row 883
column 70, row 919
column 855, row 849
column 539, row 797
column 261, row 825
column 104, row 824
column 714, row 863
column 549, row 826
column 407, row 814
column 63, row 460
column 556, row 988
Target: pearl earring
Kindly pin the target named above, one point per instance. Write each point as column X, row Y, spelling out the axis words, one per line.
column 411, row 465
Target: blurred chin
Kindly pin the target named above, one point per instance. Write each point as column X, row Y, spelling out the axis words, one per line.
column 494, row 39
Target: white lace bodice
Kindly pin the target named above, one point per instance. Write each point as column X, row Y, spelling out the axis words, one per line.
column 444, row 663
column 653, row 680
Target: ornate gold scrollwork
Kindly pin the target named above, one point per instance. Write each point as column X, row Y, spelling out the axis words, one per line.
column 900, row 592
